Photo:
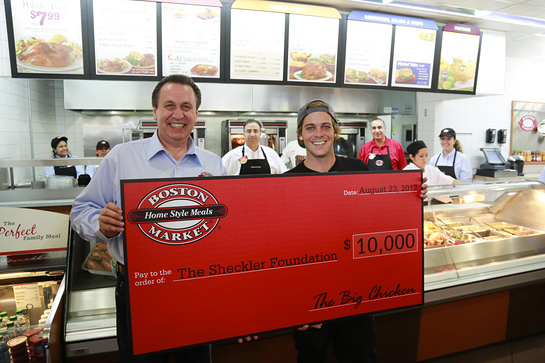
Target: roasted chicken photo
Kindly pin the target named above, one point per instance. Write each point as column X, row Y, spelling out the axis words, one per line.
column 56, row 52
column 314, row 70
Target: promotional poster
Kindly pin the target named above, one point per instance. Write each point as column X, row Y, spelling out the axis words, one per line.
column 246, row 255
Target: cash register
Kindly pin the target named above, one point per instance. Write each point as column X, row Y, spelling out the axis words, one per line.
column 495, row 165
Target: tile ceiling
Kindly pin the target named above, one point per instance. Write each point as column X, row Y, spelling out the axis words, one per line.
column 522, row 20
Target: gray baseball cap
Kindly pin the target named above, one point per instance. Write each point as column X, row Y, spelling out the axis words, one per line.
column 304, row 111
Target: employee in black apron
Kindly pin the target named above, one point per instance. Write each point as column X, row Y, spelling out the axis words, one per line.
column 382, row 153
column 451, row 161
column 60, row 150
column 379, row 162
column 253, row 158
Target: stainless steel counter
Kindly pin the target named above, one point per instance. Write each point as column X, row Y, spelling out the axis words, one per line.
column 26, row 197
column 92, row 323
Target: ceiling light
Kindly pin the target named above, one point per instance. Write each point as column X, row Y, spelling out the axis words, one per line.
column 513, row 19
column 442, row 9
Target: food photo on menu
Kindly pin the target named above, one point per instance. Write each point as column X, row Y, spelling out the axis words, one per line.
column 372, row 76
column 135, row 63
column 305, row 66
column 456, row 72
column 204, row 70
column 405, row 75
column 181, row 12
column 54, row 54
column 426, row 35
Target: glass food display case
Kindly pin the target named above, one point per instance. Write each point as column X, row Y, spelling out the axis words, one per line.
column 480, row 231
column 89, row 303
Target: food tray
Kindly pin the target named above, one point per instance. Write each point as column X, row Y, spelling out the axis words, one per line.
column 99, row 261
column 500, row 225
column 463, row 238
column 489, row 234
column 521, row 231
column 439, row 237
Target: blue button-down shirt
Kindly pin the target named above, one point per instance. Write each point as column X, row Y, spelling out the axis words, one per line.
column 142, row 159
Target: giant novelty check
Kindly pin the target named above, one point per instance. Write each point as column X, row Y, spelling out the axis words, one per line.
column 225, row 257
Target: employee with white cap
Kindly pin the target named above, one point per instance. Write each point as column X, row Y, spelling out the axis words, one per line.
column 451, row 161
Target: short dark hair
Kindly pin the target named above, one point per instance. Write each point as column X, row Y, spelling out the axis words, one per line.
column 175, row 78
column 254, row 121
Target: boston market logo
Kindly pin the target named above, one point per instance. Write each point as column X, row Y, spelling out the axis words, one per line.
column 177, row 214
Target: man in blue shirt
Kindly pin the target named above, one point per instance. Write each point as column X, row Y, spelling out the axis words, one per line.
column 169, row 153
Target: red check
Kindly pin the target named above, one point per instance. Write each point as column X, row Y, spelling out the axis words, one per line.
column 226, row 257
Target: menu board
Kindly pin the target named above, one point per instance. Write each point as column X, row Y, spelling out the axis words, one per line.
column 191, row 38
column 414, row 50
column 125, row 36
column 47, row 36
column 313, row 43
column 368, row 50
column 257, row 45
column 459, row 53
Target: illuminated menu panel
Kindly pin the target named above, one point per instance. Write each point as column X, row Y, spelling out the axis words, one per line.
column 47, row 36
column 191, row 38
column 459, row 54
column 125, row 34
column 257, row 45
column 370, row 61
column 313, row 43
column 414, row 51
column 368, row 53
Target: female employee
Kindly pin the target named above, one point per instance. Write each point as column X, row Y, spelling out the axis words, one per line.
column 60, row 150
column 451, row 161
column 252, row 158
column 418, row 152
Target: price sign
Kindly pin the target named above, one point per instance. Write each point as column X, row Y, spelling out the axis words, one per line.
column 327, row 246
column 43, row 15
column 47, row 36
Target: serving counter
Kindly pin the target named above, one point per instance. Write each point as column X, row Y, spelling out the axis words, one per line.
column 484, row 267
column 484, row 271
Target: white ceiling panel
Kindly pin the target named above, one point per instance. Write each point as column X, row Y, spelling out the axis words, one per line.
column 525, row 11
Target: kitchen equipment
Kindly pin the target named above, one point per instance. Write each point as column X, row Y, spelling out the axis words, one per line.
column 495, row 165
column 516, row 162
column 60, row 182
column 146, row 128
column 353, row 131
